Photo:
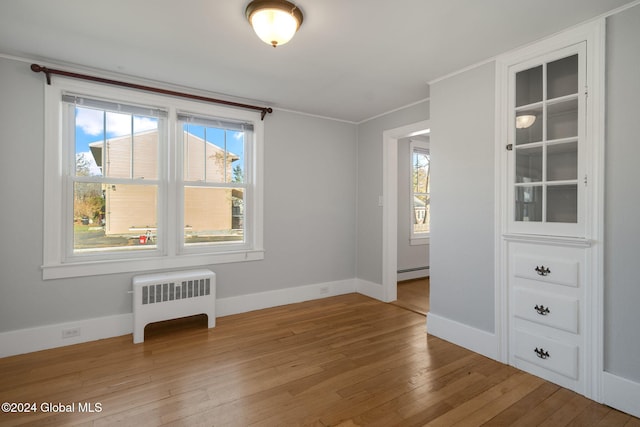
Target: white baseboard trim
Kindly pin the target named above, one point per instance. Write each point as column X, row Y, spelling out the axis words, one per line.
column 476, row 340
column 50, row 336
column 621, row 393
column 370, row 289
column 258, row 301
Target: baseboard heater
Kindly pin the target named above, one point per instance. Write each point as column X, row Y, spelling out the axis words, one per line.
column 409, row 270
column 165, row 296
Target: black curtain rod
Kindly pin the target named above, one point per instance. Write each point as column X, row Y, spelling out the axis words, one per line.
column 48, row 71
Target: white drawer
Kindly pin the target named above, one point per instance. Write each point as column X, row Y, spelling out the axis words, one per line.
column 547, row 353
column 546, row 309
column 547, row 269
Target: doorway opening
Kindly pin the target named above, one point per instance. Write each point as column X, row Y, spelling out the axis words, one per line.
column 390, row 215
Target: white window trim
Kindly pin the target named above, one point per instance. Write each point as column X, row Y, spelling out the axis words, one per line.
column 55, row 265
column 416, row 239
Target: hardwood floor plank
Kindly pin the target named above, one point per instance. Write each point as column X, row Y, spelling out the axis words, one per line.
column 466, row 409
column 501, row 403
column 522, row 408
column 614, row 418
column 414, row 295
column 569, row 411
column 542, row 412
column 590, row 416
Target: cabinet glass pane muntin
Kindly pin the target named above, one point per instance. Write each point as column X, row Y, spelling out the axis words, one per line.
column 562, row 161
column 562, row 203
column 528, row 206
column 562, row 77
column 529, row 86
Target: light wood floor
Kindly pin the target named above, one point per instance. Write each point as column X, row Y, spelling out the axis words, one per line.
column 414, row 295
column 346, row 360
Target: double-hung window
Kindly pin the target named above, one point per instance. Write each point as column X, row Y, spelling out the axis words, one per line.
column 420, row 192
column 137, row 181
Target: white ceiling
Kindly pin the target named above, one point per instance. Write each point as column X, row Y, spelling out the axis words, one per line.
column 351, row 59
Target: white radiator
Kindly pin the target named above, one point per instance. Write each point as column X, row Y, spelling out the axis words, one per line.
column 164, row 296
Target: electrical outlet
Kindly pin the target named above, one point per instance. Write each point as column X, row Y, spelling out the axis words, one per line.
column 70, row 333
column 324, row 290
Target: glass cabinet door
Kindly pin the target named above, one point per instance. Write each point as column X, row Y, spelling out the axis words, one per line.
column 545, row 139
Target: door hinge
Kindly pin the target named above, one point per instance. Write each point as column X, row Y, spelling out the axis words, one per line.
column 585, row 180
column 509, row 147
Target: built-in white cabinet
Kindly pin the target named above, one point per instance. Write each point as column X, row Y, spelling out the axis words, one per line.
column 550, row 206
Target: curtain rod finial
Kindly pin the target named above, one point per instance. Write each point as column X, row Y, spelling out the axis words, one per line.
column 37, row 68
column 265, row 111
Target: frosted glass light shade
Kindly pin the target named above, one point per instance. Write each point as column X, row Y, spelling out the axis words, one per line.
column 525, row 121
column 275, row 21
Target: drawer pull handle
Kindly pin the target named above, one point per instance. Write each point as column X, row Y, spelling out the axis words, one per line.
column 542, row 270
column 542, row 310
column 541, row 353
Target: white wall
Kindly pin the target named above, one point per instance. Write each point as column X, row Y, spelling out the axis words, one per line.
column 409, row 256
column 310, row 214
column 462, row 198
column 622, row 196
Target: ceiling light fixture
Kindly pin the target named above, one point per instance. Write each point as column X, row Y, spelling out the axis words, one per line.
column 525, row 121
column 274, row 21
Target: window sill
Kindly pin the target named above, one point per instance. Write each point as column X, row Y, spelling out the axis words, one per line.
column 97, row 268
column 418, row 241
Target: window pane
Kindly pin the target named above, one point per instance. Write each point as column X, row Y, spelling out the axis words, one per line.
column 145, row 147
column 529, row 86
column 194, row 154
column 562, row 77
column 213, row 154
column 527, row 131
column 562, row 120
column 89, row 134
column 108, row 217
column 421, row 214
column 131, row 141
column 235, row 148
column 213, row 215
column 420, row 172
column 562, row 203
column 562, row 161
column 529, row 164
column 118, row 141
column 528, row 203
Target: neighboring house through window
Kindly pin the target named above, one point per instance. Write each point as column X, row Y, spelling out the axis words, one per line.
column 137, row 181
